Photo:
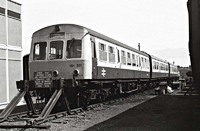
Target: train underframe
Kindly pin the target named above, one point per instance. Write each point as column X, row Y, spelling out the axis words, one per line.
column 79, row 93
column 42, row 101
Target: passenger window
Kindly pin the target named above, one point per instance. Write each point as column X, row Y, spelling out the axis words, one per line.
column 111, row 54
column 102, row 52
column 157, row 65
column 74, row 49
column 142, row 62
column 154, row 65
column 56, row 50
column 128, row 58
column 123, row 57
column 139, row 61
column 133, row 60
column 39, row 51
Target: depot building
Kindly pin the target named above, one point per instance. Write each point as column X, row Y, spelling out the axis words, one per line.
column 10, row 49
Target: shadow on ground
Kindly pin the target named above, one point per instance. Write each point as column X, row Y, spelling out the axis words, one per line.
column 162, row 113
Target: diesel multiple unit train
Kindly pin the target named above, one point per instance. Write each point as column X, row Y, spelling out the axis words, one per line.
column 74, row 65
column 91, row 65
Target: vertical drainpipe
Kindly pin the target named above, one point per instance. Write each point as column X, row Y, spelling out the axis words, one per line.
column 7, row 75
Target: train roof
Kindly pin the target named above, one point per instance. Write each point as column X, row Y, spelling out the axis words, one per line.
column 106, row 38
column 156, row 58
column 101, row 36
column 98, row 35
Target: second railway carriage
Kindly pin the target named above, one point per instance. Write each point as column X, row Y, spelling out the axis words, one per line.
column 92, row 65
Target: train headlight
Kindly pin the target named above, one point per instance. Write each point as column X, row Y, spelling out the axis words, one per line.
column 76, row 72
column 55, row 73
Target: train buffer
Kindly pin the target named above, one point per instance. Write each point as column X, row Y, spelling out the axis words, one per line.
column 32, row 122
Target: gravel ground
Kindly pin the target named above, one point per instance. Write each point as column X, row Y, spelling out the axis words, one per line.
column 99, row 114
column 89, row 118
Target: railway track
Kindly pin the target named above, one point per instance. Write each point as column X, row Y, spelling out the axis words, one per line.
column 31, row 122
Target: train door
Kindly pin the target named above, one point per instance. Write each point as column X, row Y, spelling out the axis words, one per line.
column 139, row 63
column 94, row 58
column 118, row 63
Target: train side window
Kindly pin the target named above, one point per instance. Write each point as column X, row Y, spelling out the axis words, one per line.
column 133, row 60
column 111, row 54
column 123, row 57
column 157, row 64
column 74, row 49
column 56, row 50
column 145, row 63
column 137, row 60
column 39, row 51
column 142, row 62
column 118, row 57
column 154, row 65
column 128, row 58
column 102, row 52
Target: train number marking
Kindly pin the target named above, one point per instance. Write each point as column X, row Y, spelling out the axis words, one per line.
column 103, row 72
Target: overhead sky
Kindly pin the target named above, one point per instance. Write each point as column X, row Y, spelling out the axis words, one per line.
column 160, row 26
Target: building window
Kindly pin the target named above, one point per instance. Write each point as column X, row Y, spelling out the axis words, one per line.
column 14, row 14
column 111, row 54
column 102, row 52
column 2, row 11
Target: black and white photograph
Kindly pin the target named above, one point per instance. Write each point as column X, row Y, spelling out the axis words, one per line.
column 99, row 65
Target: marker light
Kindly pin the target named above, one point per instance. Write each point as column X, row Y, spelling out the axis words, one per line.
column 76, row 72
column 55, row 73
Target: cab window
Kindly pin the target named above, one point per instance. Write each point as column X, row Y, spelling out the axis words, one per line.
column 56, row 50
column 39, row 51
column 74, row 49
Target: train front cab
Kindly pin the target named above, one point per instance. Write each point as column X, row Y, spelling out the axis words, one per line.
column 61, row 54
column 65, row 54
